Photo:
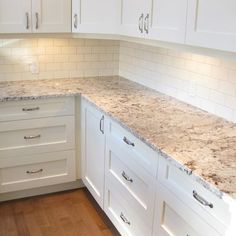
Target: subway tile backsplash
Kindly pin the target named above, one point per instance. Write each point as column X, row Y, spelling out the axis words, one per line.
column 205, row 82
column 57, row 58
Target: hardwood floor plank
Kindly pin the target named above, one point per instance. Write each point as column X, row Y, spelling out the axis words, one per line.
column 71, row 213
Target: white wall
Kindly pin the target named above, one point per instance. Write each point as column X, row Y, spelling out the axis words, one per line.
column 57, row 58
column 206, row 82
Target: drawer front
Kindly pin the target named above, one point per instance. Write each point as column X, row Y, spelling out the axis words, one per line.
column 174, row 218
column 126, row 173
column 31, row 109
column 192, row 192
column 32, row 171
column 136, row 149
column 124, row 214
column 36, row 135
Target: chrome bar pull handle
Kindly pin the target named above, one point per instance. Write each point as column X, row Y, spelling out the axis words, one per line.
column 124, row 219
column 34, row 172
column 202, row 200
column 126, row 177
column 32, row 137
column 141, row 23
column 31, row 109
column 37, row 20
column 128, row 142
column 75, row 21
column 146, row 24
column 101, row 125
column 27, row 20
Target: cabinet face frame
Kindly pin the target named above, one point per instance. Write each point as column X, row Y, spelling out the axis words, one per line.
column 209, row 38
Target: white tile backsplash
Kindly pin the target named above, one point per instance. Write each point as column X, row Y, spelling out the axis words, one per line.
column 203, row 81
column 206, row 82
column 57, row 58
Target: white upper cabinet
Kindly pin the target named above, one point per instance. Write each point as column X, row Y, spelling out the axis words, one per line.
column 133, row 15
column 93, row 16
column 15, row 16
column 212, row 24
column 51, row 16
column 168, row 20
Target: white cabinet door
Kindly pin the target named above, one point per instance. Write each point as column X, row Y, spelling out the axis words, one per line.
column 15, row 16
column 51, row 16
column 168, row 21
column 212, row 24
column 133, row 13
column 93, row 150
column 92, row 16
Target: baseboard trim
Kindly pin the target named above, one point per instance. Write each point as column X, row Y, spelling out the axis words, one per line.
column 41, row 190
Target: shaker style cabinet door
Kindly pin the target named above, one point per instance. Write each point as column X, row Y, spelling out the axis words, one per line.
column 212, row 24
column 133, row 13
column 93, row 16
column 93, row 150
column 168, row 20
column 51, row 16
column 15, row 16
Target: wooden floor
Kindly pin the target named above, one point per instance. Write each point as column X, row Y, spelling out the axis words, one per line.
column 71, row 213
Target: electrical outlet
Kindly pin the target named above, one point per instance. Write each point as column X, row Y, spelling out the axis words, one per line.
column 34, row 68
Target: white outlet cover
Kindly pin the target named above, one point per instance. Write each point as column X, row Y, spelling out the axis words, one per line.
column 34, row 68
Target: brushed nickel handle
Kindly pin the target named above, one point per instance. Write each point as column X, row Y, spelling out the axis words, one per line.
column 128, row 142
column 75, row 21
column 31, row 109
column 126, row 177
column 202, row 200
column 146, row 24
column 141, row 23
column 37, row 20
column 124, row 219
column 32, row 137
column 34, row 172
column 101, row 125
column 27, row 20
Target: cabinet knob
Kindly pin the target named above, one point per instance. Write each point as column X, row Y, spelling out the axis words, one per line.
column 101, row 125
column 124, row 219
column 34, row 172
column 27, row 20
column 128, row 142
column 146, row 24
column 31, row 109
column 126, row 177
column 37, row 20
column 75, row 21
column 32, row 137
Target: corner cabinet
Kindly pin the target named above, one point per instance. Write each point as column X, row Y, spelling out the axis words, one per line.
column 93, row 150
column 35, row 16
column 211, row 24
column 97, row 17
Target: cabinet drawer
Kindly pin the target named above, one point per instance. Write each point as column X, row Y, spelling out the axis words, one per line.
column 192, row 192
column 174, row 218
column 121, row 139
column 124, row 214
column 36, row 135
column 38, row 170
column 126, row 173
column 32, row 109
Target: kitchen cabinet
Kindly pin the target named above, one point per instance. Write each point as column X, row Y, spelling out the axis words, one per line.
column 15, row 16
column 52, row 16
column 93, row 150
column 92, row 16
column 168, row 20
column 37, row 143
column 211, row 24
column 35, row 16
column 134, row 17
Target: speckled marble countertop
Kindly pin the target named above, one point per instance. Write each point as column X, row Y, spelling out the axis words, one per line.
column 201, row 144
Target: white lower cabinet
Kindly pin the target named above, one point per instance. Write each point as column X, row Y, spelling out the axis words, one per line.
column 174, row 218
column 37, row 143
column 93, row 150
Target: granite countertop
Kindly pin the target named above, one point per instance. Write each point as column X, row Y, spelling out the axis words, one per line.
column 202, row 145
